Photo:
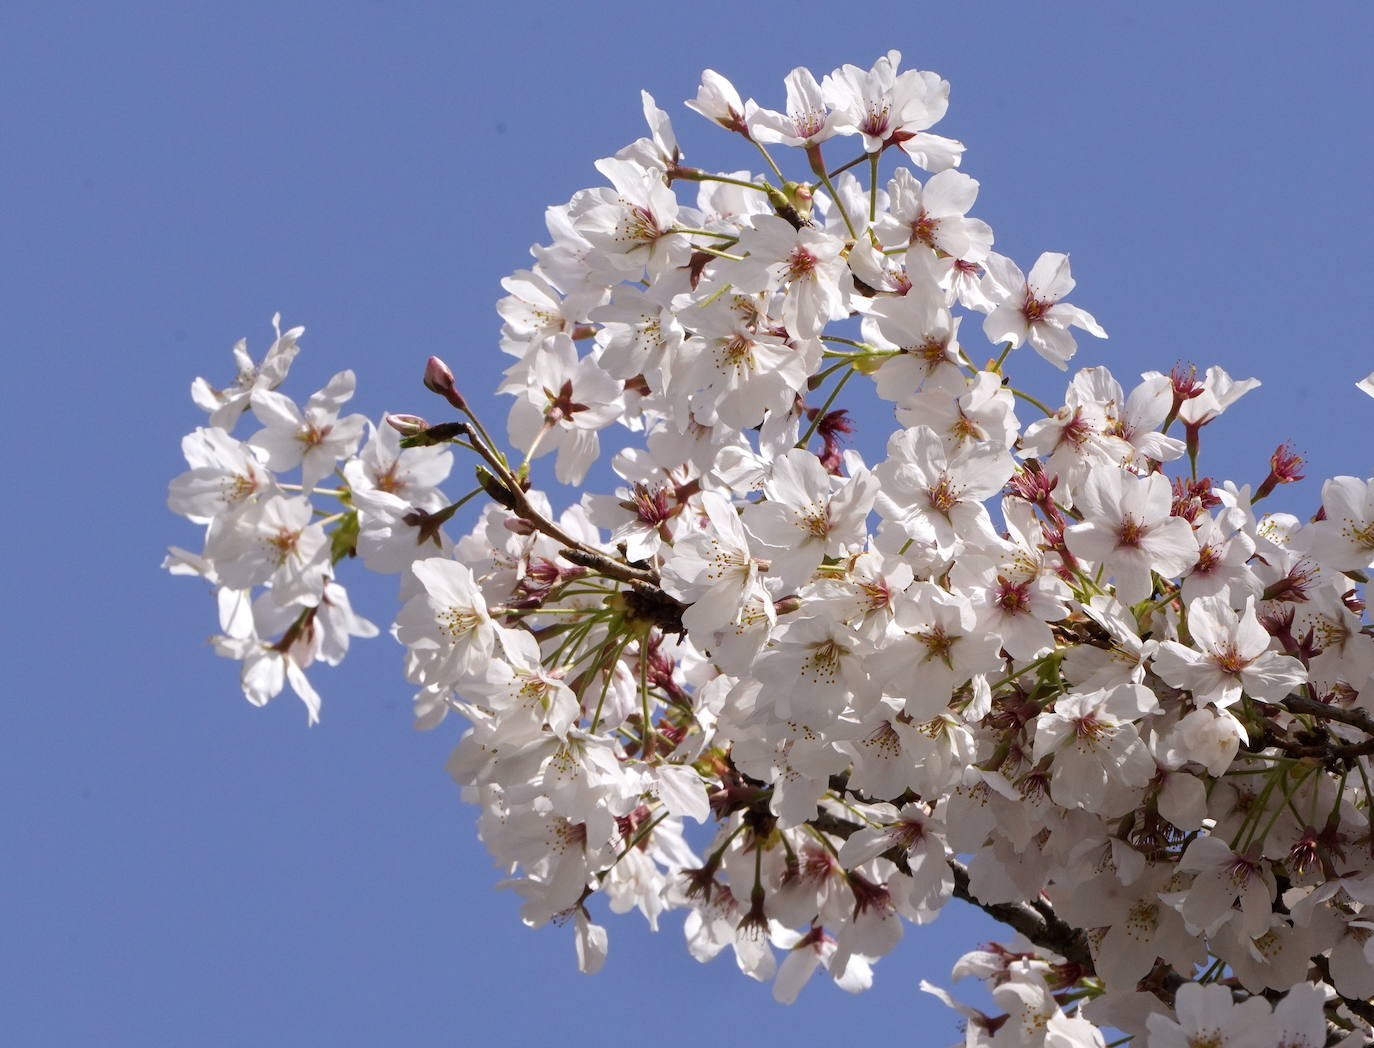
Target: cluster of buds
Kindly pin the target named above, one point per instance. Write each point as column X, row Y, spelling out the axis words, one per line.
column 1042, row 666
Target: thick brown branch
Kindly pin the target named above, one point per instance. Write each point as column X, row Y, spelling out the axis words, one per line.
column 1295, row 749
column 1313, row 708
column 1037, row 921
column 1302, row 704
column 587, row 558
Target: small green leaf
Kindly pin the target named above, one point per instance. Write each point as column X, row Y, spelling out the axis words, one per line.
column 343, row 540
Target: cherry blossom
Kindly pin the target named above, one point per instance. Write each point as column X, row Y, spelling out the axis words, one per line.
column 313, row 437
column 225, row 476
column 935, row 215
column 1344, row 539
column 807, row 120
column 1128, row 530
column 1234, row 656
column 1031, row 309
column 226, row 404
column 1049, row 668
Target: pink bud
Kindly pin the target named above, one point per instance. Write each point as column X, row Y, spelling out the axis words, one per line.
column 439, row 379
column 407, row 425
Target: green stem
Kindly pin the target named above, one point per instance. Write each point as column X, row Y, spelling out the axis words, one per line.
column 1288, row 796
column 606, row 684
column 466, row 498
column 852, row 163
column 820, row 414
column 542, row 611
column 1212, row 972
column 1153, row 607
column 481, row 430
column 813, row 153
column 872, row 189
column 706, row 176
column 839, row 206
column 1034, row 665
column 716, row 294
column 1368, row 802
column 1031, row 400
column 845, row 359
column 776, row 170
column 823, row 839
column 647, row 728
column 538, row 439
column 336, row 492
column 586, row 591
column 567, row 647
column 689, row 231
column 848, row 342
column 1247, row 826
column 718, row 254
column 644, row 831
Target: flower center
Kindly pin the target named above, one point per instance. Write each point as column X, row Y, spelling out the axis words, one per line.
column 1131, row 533
column 931, row 351
column 800, row 263
column 282, row 544
column 312, row 435
column 939, row 645
column 877, row 595
column 808, row 122
column 875, row 121
column 637, row 225
column 1012, row 597
column 814, row 520
column 884, row 742
column 1089, row 729
column 736, row 352
column 455, row 622
column 924, row 228
column 651, row 507
column 943, row 496
column 1359, row 536
column 1033, row 309
column 1230, row 660
column 1208, row 559
column 561, row 404
column 822, row 666
column 238, row 487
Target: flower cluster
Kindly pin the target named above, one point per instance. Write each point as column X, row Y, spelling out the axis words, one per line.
column 1028, row 657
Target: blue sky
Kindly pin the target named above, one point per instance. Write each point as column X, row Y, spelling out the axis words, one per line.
column 183, row 868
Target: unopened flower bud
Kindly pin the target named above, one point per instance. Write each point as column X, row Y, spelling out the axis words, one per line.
column 407, row 425
column 799, row 196
column 439, row 379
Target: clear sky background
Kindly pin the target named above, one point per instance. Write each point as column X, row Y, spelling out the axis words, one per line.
column 181, row 868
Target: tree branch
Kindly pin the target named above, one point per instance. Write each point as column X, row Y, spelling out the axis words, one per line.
column 1325, row 710
column 1302, row 704
column 1036, row 920
column 574, row 551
